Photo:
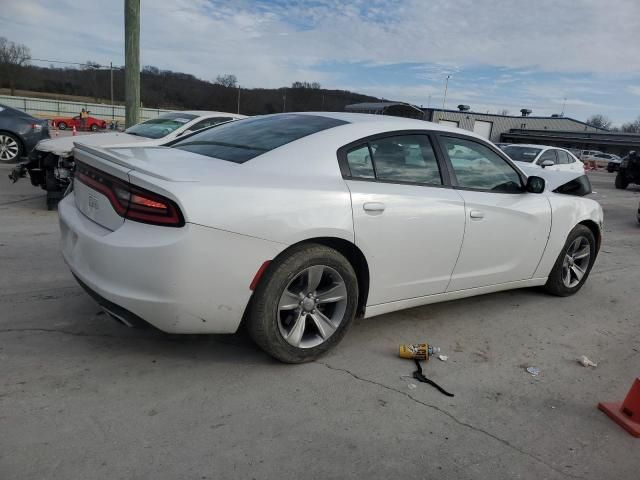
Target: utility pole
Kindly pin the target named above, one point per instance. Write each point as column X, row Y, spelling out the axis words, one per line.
column 132, row 61
column 111, row 75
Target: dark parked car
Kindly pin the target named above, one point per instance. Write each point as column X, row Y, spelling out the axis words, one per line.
column 19, row 133
column 629, row 171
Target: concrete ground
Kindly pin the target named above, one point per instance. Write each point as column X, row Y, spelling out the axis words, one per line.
column 82, row 397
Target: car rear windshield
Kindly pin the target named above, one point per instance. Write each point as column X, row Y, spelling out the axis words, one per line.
column 246, row 139
column 161, row 126
column 522, row 154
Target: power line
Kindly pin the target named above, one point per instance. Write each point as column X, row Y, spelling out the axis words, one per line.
column 93, row 65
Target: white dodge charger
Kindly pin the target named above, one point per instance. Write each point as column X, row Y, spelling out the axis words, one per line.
column 295, row 223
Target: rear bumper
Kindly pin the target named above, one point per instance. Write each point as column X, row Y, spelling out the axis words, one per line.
column 192, row 279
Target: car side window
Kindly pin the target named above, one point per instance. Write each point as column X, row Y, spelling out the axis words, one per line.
column 563, row 158
column 359, row 161
column 406, row 158
column 548, row 155
column 478, row 167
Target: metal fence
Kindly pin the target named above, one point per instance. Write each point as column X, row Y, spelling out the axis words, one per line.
column 46, row 108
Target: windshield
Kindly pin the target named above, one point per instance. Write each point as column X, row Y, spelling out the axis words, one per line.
column 161, row 126
column 521, row 154
column 245, row 139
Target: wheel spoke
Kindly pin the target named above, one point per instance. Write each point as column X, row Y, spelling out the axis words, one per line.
column 584, row 252
column 333, row 294
column 314, row 276
column 324, row 325
column 578, row 272
column 288, row 301
column 295, row 334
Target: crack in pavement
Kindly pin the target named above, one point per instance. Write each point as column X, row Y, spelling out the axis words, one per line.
column 454, row 418
column 21, row 200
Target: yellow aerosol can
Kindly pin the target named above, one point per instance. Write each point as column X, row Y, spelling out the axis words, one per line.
column 418, row 351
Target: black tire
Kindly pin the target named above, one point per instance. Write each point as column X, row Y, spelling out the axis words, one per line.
column 263, row 320
column 621, row 181
column 11, row 148
column 555, row 284
column 62, row 125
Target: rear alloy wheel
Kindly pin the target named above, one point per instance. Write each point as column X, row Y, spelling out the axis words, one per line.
column 574, row 263
column 304, row 304
column 10, row 148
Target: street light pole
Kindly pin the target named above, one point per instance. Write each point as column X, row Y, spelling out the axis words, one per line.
column 444, row 98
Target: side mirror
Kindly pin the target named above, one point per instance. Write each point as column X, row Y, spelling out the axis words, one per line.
column 547, row 163
column 535, row 184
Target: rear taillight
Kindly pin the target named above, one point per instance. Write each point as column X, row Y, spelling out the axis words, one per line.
column 129, row 201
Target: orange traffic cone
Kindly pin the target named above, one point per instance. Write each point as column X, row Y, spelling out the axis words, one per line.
column 627, row 413
column 74, row 132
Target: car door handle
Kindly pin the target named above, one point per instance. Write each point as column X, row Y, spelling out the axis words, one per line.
column 373, row 207
column 476, row 214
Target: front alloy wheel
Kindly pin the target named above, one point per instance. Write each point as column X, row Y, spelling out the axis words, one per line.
column 9, row 148
column 576, row 262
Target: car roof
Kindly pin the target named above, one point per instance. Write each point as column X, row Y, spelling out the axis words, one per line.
column 389, row 122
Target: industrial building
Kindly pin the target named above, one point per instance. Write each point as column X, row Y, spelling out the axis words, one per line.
column 555, row 130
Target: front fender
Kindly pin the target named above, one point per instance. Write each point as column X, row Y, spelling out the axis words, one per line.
column 566, row 212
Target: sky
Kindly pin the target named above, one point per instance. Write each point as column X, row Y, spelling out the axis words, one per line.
column 546, row 55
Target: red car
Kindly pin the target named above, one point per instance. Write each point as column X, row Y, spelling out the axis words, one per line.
column 92, row 123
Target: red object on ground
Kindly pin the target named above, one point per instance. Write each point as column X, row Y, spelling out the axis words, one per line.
column 627, row 413
column 74, row 132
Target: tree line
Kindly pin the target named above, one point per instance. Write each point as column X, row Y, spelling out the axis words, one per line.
column 165, row 88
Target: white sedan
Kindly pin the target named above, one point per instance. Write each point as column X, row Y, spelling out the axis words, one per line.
column 542, row 156
column 156, row 131
column 298, row 222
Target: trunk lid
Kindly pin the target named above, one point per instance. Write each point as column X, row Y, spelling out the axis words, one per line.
column 161, row 170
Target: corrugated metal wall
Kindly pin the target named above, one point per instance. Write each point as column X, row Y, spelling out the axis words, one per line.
column 502, row 124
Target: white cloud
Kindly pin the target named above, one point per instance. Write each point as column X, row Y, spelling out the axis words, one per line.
column 634, row 89
column 272, row 44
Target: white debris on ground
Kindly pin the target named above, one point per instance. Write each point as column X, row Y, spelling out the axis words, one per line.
column 585, row 362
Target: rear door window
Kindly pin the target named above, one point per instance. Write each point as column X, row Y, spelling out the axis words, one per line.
column 406, row 158
column 360, row 164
